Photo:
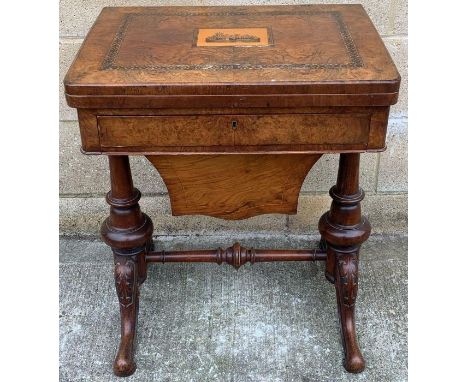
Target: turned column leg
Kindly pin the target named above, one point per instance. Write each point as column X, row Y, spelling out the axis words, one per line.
column 128, row 232
column 344, row 230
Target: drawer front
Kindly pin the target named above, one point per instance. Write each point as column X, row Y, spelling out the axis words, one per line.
column 164, row 131
column 303, row 129
column 237, row 132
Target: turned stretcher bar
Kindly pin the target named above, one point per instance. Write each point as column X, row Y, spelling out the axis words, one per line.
column 236, row 255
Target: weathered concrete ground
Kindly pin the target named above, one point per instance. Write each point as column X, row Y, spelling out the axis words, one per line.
column 204, row 322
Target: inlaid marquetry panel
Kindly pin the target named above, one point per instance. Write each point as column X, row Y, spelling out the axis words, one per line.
column 246, row 37
column 324, row 38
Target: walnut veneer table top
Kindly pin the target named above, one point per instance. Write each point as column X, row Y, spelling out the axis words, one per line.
column 318, row 49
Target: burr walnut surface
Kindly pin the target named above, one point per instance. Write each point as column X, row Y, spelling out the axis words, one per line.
column 314, row 49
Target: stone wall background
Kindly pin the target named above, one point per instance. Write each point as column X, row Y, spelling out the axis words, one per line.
column 84, row 179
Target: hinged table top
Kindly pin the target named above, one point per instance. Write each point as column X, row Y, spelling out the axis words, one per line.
column 164, row 51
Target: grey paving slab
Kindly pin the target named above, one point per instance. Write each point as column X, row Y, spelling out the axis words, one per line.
column 203, row 322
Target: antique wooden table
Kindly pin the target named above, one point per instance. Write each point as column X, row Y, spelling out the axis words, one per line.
column 233, row 106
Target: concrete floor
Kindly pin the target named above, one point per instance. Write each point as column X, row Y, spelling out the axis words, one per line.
column 204, row 322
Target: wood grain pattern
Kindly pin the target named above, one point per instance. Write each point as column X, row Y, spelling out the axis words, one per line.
column 324, row 39
column 322, row 55
column 233, row 186
column 302, row 129
column 232, row 132
column 89, row 131
column 259, row 130
column 147, row 133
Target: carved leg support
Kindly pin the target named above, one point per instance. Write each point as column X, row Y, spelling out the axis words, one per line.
column 126, row 284
column 128, row 232
column 344, row 230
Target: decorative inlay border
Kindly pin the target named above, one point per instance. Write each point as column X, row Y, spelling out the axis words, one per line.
column 109, row 60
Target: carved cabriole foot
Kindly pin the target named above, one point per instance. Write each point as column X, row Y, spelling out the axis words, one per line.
column 129, row 233
column 127, row 287
column 346, row 285
column 344, row 230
